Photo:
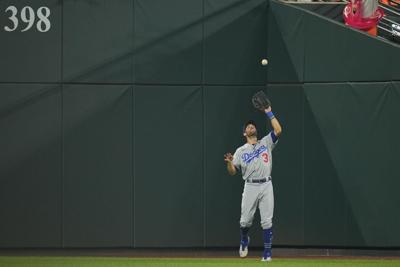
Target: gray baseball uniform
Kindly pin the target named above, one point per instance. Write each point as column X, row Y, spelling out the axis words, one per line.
column 255, row 162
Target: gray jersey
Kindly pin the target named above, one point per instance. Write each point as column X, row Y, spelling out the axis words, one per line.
column 368, row 8
column 255, row 161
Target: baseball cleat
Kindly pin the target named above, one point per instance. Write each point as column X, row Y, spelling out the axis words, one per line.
column 266, row 259
column 243, row 250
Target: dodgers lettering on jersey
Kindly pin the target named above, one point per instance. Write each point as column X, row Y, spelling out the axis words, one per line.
column 255, row 161
column 248, row 157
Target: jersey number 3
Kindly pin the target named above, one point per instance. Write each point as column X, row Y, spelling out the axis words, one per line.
column 265, row 156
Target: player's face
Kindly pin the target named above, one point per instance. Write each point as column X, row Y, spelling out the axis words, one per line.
column 251, row 130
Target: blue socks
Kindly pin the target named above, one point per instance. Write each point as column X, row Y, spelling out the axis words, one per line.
column 244, row 238
column 267, row 233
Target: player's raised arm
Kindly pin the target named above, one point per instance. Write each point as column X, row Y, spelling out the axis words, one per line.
column 274, row 121
column 231, row 168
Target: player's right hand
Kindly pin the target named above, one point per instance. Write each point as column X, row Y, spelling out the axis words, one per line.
column 228, row 157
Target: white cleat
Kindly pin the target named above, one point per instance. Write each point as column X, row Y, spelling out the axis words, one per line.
column 243, row 251
column 266, row 259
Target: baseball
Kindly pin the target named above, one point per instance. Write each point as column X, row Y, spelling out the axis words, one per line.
column 264, row 62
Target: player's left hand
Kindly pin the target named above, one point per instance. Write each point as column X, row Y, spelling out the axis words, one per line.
column 268, row 109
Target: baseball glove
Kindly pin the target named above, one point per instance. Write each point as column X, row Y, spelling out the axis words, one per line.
column 261, row 101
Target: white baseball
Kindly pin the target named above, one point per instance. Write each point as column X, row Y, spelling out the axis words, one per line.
column 264, row 62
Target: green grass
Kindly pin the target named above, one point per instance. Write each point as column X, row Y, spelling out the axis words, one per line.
column 6, row 261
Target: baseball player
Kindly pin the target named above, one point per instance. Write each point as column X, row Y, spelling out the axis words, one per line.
column 254, row 159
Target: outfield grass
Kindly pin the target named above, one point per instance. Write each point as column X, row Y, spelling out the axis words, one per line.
column 166, row 262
